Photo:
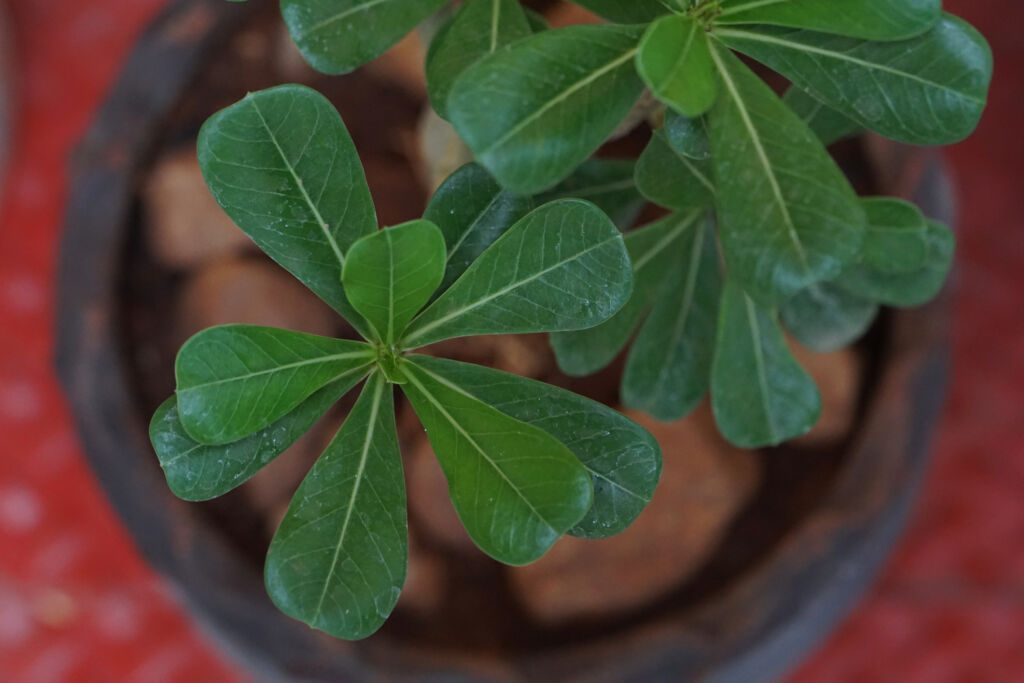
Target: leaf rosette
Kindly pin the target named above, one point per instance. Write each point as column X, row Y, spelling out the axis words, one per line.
column 526, row 463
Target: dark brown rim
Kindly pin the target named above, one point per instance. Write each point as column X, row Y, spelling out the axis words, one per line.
column 756, row 630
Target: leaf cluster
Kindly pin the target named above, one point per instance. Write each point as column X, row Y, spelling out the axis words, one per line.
column 762, row 219
column 525, row 462
column 762, row 234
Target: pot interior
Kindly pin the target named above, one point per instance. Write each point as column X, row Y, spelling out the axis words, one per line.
column 383, row 109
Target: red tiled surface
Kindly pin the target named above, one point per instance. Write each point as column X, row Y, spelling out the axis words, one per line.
column 77, row 604
column 950, row 604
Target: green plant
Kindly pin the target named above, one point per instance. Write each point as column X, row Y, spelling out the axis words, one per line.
column 762, row 230
column 526, row 462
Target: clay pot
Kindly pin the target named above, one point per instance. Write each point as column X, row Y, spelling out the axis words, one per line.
column 752, row 609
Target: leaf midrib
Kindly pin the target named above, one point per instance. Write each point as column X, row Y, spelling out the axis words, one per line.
column 679, row 329
column 324, row 23
column 683, row 54
column 562, row 96
column 688, row 163
column 390, row 337
column 755, row 4
column 762, row 156
column 668, row 238
column 495, row 22
column 367, row 353
column 164, row 464
column 874, row 66
column 501, row 292
column 472, row 227
column 299, row 184
column 762, row 378
column 454, row 387
column 363, row 457
column 458, row 427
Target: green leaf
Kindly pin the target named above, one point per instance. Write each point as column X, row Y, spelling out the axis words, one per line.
column 759, row 393
column 868, row 19
column 338, row 560
column 478, row 29
column 535, row 110
column 472, row 211
column 829, row 125
column 538, row 24
column 675, row 62
column 668, row 370
column 929, row 90
column 788, row 218
column 197, row 472
column 906, row 290
column 234, row 380
column 283, row 166
column 897, row 236
column 622, row 458
column 390, row 275
column 337, row 36
column 562, row 267
column 607, row 183
column 625, row 11
column 671, row 179
column 515, row 487
column 652, row 249
column 688, row 137
column 825, row 318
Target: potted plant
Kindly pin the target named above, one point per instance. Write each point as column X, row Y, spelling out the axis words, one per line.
column 762, row 232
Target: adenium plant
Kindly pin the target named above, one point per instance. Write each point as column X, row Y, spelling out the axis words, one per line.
column 762, row 233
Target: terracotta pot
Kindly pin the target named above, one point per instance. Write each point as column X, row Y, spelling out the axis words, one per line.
column 763, row 620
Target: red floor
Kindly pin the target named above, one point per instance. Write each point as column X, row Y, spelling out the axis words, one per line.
column 77, row 604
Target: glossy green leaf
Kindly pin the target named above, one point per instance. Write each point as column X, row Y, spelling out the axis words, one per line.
column 562, row 267
column 472, row 211
column 478, row 29
column 668, row 370
column 607, row 183
column 390, row 275
column 687, row 136
column 337, row 36
column 283, row 166
column 868, row 19
column 234, row 380
column 338, row 560
column 929, row 90
column 759, row 393
column 652, row 249
column 829, row 125
column 626, row 11
column 788, row 218
column 622, row 458
column 826, row 318
column 514, row 486
column 675, row 62
column 535, row 110
column 906, row 289
column 197, row 472
column 897, row 236
column 671, row 179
